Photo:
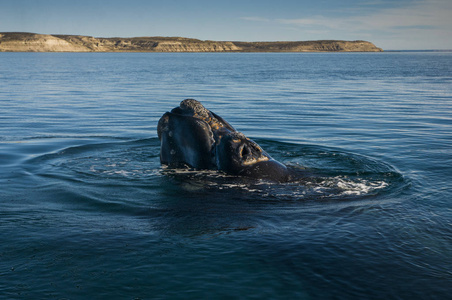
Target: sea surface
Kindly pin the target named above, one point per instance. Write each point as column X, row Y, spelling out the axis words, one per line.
column 87, row 212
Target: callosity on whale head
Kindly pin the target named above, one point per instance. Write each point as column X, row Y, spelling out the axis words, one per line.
column 193, row 136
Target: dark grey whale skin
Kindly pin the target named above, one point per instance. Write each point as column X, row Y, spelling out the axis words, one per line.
column 191, row 135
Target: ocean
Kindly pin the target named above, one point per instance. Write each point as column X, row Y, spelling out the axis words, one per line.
column 86, row 210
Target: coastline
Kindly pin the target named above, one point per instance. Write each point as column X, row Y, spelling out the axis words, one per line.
column 32, row 42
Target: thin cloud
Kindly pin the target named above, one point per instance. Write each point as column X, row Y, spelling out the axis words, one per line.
column 316, row 21
column 416, row 27
column 423, row 15
column 256, row 19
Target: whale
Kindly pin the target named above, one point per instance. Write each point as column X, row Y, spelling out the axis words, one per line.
column 192, row 136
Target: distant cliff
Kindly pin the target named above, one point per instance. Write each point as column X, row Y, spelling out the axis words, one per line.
column 31, row 42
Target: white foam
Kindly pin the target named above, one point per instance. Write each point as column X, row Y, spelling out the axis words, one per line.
column 358, row 187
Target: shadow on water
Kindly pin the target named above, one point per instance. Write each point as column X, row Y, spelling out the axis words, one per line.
column 125, row 178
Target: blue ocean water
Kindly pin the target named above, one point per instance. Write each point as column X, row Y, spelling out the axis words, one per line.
column 87, row 211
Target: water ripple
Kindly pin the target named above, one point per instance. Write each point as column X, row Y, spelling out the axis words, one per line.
column 320, row 173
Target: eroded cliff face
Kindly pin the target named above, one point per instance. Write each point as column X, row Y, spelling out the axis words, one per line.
column 31, row 42
column 176, row 46
column 26, row 42
column 309, row 46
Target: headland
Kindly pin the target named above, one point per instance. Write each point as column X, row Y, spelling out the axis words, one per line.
column 33, row 42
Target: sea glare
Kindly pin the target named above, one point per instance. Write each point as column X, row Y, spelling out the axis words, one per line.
column 87, row 212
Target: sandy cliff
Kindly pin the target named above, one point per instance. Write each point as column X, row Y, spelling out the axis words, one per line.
column 31, row 42
column 310, row 46
column 28, row 42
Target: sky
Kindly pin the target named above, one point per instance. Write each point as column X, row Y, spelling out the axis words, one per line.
column 389, row 24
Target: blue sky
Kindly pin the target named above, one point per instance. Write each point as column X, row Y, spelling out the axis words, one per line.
column 390, row 24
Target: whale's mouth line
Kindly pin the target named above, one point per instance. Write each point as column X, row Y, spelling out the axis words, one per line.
column 249, row 162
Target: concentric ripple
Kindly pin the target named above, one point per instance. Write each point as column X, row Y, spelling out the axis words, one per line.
column 319, row 173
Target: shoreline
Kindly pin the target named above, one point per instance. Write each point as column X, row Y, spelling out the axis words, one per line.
column 32, row 42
